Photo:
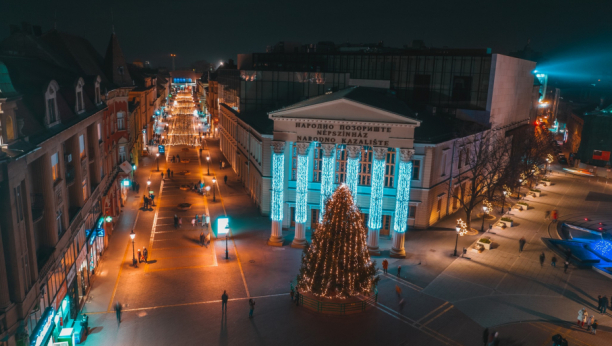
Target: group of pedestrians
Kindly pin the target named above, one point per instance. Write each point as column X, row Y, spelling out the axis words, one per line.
column 169, row 173
column 294, row 294
column 603, row 304
column 143, row 256
column 225, row 299
column 490, row 338
column 583, row 318
column 175, row 158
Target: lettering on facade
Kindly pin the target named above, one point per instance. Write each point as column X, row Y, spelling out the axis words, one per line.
column 344, row 134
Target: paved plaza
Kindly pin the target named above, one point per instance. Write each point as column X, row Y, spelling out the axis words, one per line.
column 175, row 298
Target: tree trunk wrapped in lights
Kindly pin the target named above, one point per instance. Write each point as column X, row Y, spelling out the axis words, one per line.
column 337, row 263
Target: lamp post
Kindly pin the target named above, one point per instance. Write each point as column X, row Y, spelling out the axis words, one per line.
column 213, row 188
column 547, row 162
column 208, row 163
column 519, row 188
column 504, row 201
column 226, row 253
column 157, row 160
column 484, row 213
column 207, row 190
column 458, row 228
column 133, row 235
column 148, row 182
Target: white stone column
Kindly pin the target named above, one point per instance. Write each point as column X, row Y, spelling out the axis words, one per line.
column 352, row 168
column 327, row 175
column 278, row 186
column 301, row 196
column 376, row 196
column 402, row 203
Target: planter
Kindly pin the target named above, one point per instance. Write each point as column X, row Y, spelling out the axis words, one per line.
column 485, row 242
column 523, row 205
column 546, row 183
column 535, row 193
column 184, row 206
column 518, row 207
column 508, row 222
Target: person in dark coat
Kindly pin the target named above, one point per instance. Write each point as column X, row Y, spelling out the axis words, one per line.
column 251, row 307
column 565, row 266
column 202, row 239
column 118, row 309
column 542, row 258
column 145, row 254
column 522, row 242
column 604, row 304
column 485, row 336
column 399, row 271
column 224, row 299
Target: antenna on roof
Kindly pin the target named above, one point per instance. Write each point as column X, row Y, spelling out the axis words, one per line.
column 112, row 21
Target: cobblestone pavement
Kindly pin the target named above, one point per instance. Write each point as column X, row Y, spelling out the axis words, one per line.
column 175, row 298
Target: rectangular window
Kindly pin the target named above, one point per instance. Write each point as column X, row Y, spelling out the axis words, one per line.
column 340, row 166
column 460, row 161
column 79, row 101
column 82, row 146
column 99, row 132
column 314, row 218
column 390, row 168
column 412, row 211
column 416, row 169
column 365, row 166
column 85, row 189
column 55, row 167
column 122, row 156
column 317, row 162
column 60, row 226
column 51, row 109
column 386, row 225
column 120, row 121
column 467, row 156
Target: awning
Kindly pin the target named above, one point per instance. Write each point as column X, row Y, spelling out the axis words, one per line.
column 126, row 167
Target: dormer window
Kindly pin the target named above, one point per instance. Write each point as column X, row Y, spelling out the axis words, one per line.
column 97, row 96
column 79, row 96
column 51, row 104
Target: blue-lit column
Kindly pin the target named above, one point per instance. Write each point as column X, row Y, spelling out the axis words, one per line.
column 301, row 196
column 352, row 168
column 402, row 202
column 278, row 185
column 327, row 175
column 376, row 199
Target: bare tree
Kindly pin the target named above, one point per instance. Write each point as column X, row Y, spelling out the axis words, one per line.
column 482, row 161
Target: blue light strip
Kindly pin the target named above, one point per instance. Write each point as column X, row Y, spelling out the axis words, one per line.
column 403, row 197
column 352, row 174
column 301, row 187
column 278, row 176
column 327, row 180
column 376, row 195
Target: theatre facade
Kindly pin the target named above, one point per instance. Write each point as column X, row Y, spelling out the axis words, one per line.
column 292, row 159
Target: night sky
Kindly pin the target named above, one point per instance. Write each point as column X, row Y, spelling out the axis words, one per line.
column 566, row 31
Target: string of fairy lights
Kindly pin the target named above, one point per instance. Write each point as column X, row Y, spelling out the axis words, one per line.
column 327, row 180
column 352, row 173
column 278, row 176
column 376, row 196
column 301, row 189
column 403, row 196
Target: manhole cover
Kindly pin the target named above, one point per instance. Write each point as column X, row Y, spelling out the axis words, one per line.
column 252, row 261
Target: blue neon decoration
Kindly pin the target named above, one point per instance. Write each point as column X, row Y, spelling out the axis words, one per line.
column 376, row 195
column 352, row 174
column 603, row 248
column 403, row 197
column 327, row 179
column 301, row 187
column 278, row 177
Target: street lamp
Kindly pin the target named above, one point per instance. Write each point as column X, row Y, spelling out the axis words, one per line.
column 149, row 182
column 504, row 201
column 547, row 162
column 157, row 159
column 213, row 187
column 208, row 162
column 519, row 188
column 133, row 235
column 484, row 213
column 458, row 228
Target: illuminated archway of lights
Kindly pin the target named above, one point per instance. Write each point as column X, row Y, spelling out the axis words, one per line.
column 184, row 125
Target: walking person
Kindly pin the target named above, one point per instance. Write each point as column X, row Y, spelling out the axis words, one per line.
column 522, row 242
column 599, row 302
column 175, row 221
column 118, row 309
column 202, row 239
column 594, row 327
column 579, row 319
column 547, row 215
column 162, row 175
column 193, row 222
column 604, row 304
column 225, row 179
column 399, row 270
column 553, row 261
column 145, row 254
column 172, row 174
column 292, row 294
column 139, row 256
column 398, row 291
column 297, row 298
column 542, row 258
column 565, row 266
column 168, row 172
column 590, row 322
column 385, row 265
column 251, row 307
column 585, row 318
column 180, row 222
column 144, row 199
column 224, row 299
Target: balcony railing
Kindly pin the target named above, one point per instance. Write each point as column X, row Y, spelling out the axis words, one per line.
column 37, row 202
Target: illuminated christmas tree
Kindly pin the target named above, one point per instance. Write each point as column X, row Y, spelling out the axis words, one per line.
column 337, row 263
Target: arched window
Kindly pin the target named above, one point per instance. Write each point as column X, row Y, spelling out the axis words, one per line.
column 51, row 104
column 10, row 129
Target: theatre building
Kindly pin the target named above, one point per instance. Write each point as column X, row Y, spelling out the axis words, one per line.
column 293, row 160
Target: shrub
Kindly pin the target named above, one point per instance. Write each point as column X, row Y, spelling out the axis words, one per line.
column 506, row 219
column 485, row 240
column 536, row 190
column 523, row 203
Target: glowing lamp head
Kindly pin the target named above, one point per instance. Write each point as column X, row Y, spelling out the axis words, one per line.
column 149, row 182
column 520, row 180
column 458, row 228
column 484, row 208
column 207, row 188
column 207, row 158
column 132, row 235
column 157, row 155
column 505, row 193
column 109, row 219
column 134, row 167
column 214, row 180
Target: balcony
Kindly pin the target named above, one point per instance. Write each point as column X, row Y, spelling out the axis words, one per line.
column 70, row 174
column 37, row 202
